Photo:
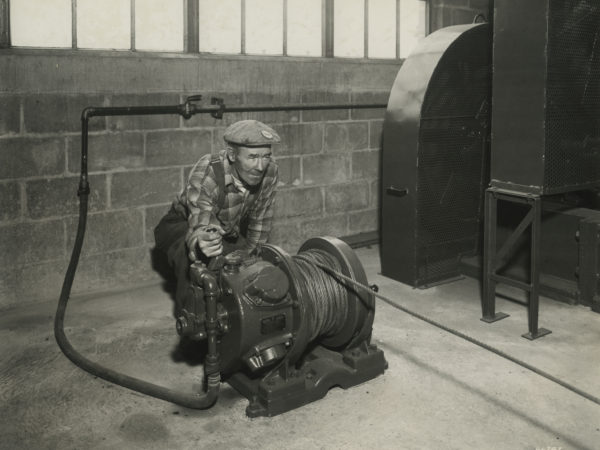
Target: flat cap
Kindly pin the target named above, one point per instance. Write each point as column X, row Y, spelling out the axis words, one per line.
column 251, row 133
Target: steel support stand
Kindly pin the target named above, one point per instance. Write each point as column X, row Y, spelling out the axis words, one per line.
column 493, row 258
column 534, row 293
column 488, row 304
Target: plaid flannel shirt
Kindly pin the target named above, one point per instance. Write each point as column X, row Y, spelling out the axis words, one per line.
column 198, row 202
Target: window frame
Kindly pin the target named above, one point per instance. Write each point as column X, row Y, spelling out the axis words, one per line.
column 191, row 44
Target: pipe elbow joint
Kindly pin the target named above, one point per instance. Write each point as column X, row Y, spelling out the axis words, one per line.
column 204, row 278
column 209, row 281
column 210, row 397
column 87, row 113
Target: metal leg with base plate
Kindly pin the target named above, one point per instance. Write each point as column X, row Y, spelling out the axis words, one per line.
column 489, row 313
column 493, row 258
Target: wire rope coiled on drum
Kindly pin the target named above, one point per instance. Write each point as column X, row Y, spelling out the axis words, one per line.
column 327, row 302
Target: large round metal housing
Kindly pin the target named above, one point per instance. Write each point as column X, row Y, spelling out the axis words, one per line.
column 435, row 163
column 315, row 337
column 261, row 333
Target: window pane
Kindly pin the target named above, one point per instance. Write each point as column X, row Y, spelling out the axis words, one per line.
column 44, row 23
column 105, row 24
column 264, row 27
column 382, row 28
column 220, row 26
column 349, row 28
column 304, row 28
column 159, row 25
column 412, row 25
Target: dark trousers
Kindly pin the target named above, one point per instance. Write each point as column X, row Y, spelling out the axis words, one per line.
column 169, row 237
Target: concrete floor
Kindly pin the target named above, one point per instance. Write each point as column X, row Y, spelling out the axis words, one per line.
column 438, row 392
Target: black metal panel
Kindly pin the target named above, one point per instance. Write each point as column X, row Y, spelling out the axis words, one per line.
column 573, row 90
column 435, row 145
column 519, row 73
column 589, row 263
column 546, row 107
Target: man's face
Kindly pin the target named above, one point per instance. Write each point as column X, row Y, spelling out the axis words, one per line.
column 250, row 163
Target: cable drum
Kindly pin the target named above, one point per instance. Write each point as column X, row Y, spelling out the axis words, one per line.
column 328, row 311
column 337, row 313
column 327, row 303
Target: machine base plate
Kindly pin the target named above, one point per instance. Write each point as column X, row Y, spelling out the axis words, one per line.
column 321, row 370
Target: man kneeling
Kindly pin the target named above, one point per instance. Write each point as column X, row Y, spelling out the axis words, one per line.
column 227, row 204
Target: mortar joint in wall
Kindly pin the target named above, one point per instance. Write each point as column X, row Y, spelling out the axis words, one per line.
column 144, row 141
column 143, row 212
column 105, row 102
column 347, row 228
column 66, row 155
column 301, row 170
column 108, row 190
column 23, row 198
column 348, row 121
column 13, row 222
column 113, row 251
column 465, row 8
column 350, row 166
column 37, row 220
column 21, row 118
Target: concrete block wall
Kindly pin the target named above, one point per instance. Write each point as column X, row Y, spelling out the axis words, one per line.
column 329, row 160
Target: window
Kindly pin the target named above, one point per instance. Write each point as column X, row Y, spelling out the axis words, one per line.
column 220, row 26
column 158, row 25
column 349, row 28
column 264, row 27
column 376, row 29
column 304, row 28
column 382, row 28
column 104, row 24
column 40, row 24
column 413, row 17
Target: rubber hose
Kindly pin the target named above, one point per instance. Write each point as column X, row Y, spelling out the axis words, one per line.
column 189, row 400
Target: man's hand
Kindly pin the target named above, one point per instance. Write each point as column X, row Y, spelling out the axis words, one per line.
column 205, row 239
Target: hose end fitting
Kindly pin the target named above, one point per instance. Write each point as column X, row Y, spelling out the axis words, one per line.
column 84, row 188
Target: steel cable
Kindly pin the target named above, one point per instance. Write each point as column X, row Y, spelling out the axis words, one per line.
column 327, row 304
column 461, row 335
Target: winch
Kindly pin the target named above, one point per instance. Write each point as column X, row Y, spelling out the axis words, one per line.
column 280, row 329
